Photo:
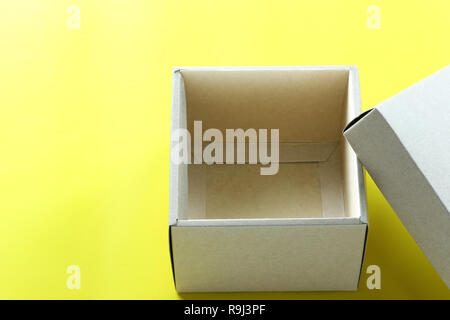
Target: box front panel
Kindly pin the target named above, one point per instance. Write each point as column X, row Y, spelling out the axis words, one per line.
column 268, row 258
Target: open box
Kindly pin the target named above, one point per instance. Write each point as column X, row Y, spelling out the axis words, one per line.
column 303, row 228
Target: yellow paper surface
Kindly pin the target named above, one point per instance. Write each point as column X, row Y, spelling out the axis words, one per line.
column 85, row 125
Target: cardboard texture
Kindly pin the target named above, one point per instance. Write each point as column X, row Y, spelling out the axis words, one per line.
column 268, row 258
column 304, row 228
column 404, row 142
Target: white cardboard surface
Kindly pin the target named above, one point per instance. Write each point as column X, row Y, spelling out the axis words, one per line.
column 404, row 142
column 268, row 258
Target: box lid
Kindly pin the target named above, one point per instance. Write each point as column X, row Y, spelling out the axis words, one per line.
column 404, row 142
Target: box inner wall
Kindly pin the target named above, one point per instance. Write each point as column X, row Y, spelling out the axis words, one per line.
column 308, row 109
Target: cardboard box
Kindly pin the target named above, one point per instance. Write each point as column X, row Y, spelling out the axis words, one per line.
column 404, row 142
column 303, row 228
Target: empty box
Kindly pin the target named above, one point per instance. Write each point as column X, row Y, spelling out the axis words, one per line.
column 305, row 227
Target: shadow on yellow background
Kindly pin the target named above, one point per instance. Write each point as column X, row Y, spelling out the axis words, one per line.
column 85, row 126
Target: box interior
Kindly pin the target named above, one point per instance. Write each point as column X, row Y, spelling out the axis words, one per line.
column 317, row 169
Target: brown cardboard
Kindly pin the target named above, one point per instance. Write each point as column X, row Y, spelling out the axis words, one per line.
column 264, row 98
column 304, row 227
column 404, row 142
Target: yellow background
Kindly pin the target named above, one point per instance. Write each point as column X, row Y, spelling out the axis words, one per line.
column 85, row 125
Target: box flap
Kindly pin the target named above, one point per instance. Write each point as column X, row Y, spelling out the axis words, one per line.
column 404, row 143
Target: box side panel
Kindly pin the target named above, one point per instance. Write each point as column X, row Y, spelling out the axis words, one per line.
column 404, row 186
column 353, row 176
column 331, row 185
column 178, row 172
column 268, row 258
